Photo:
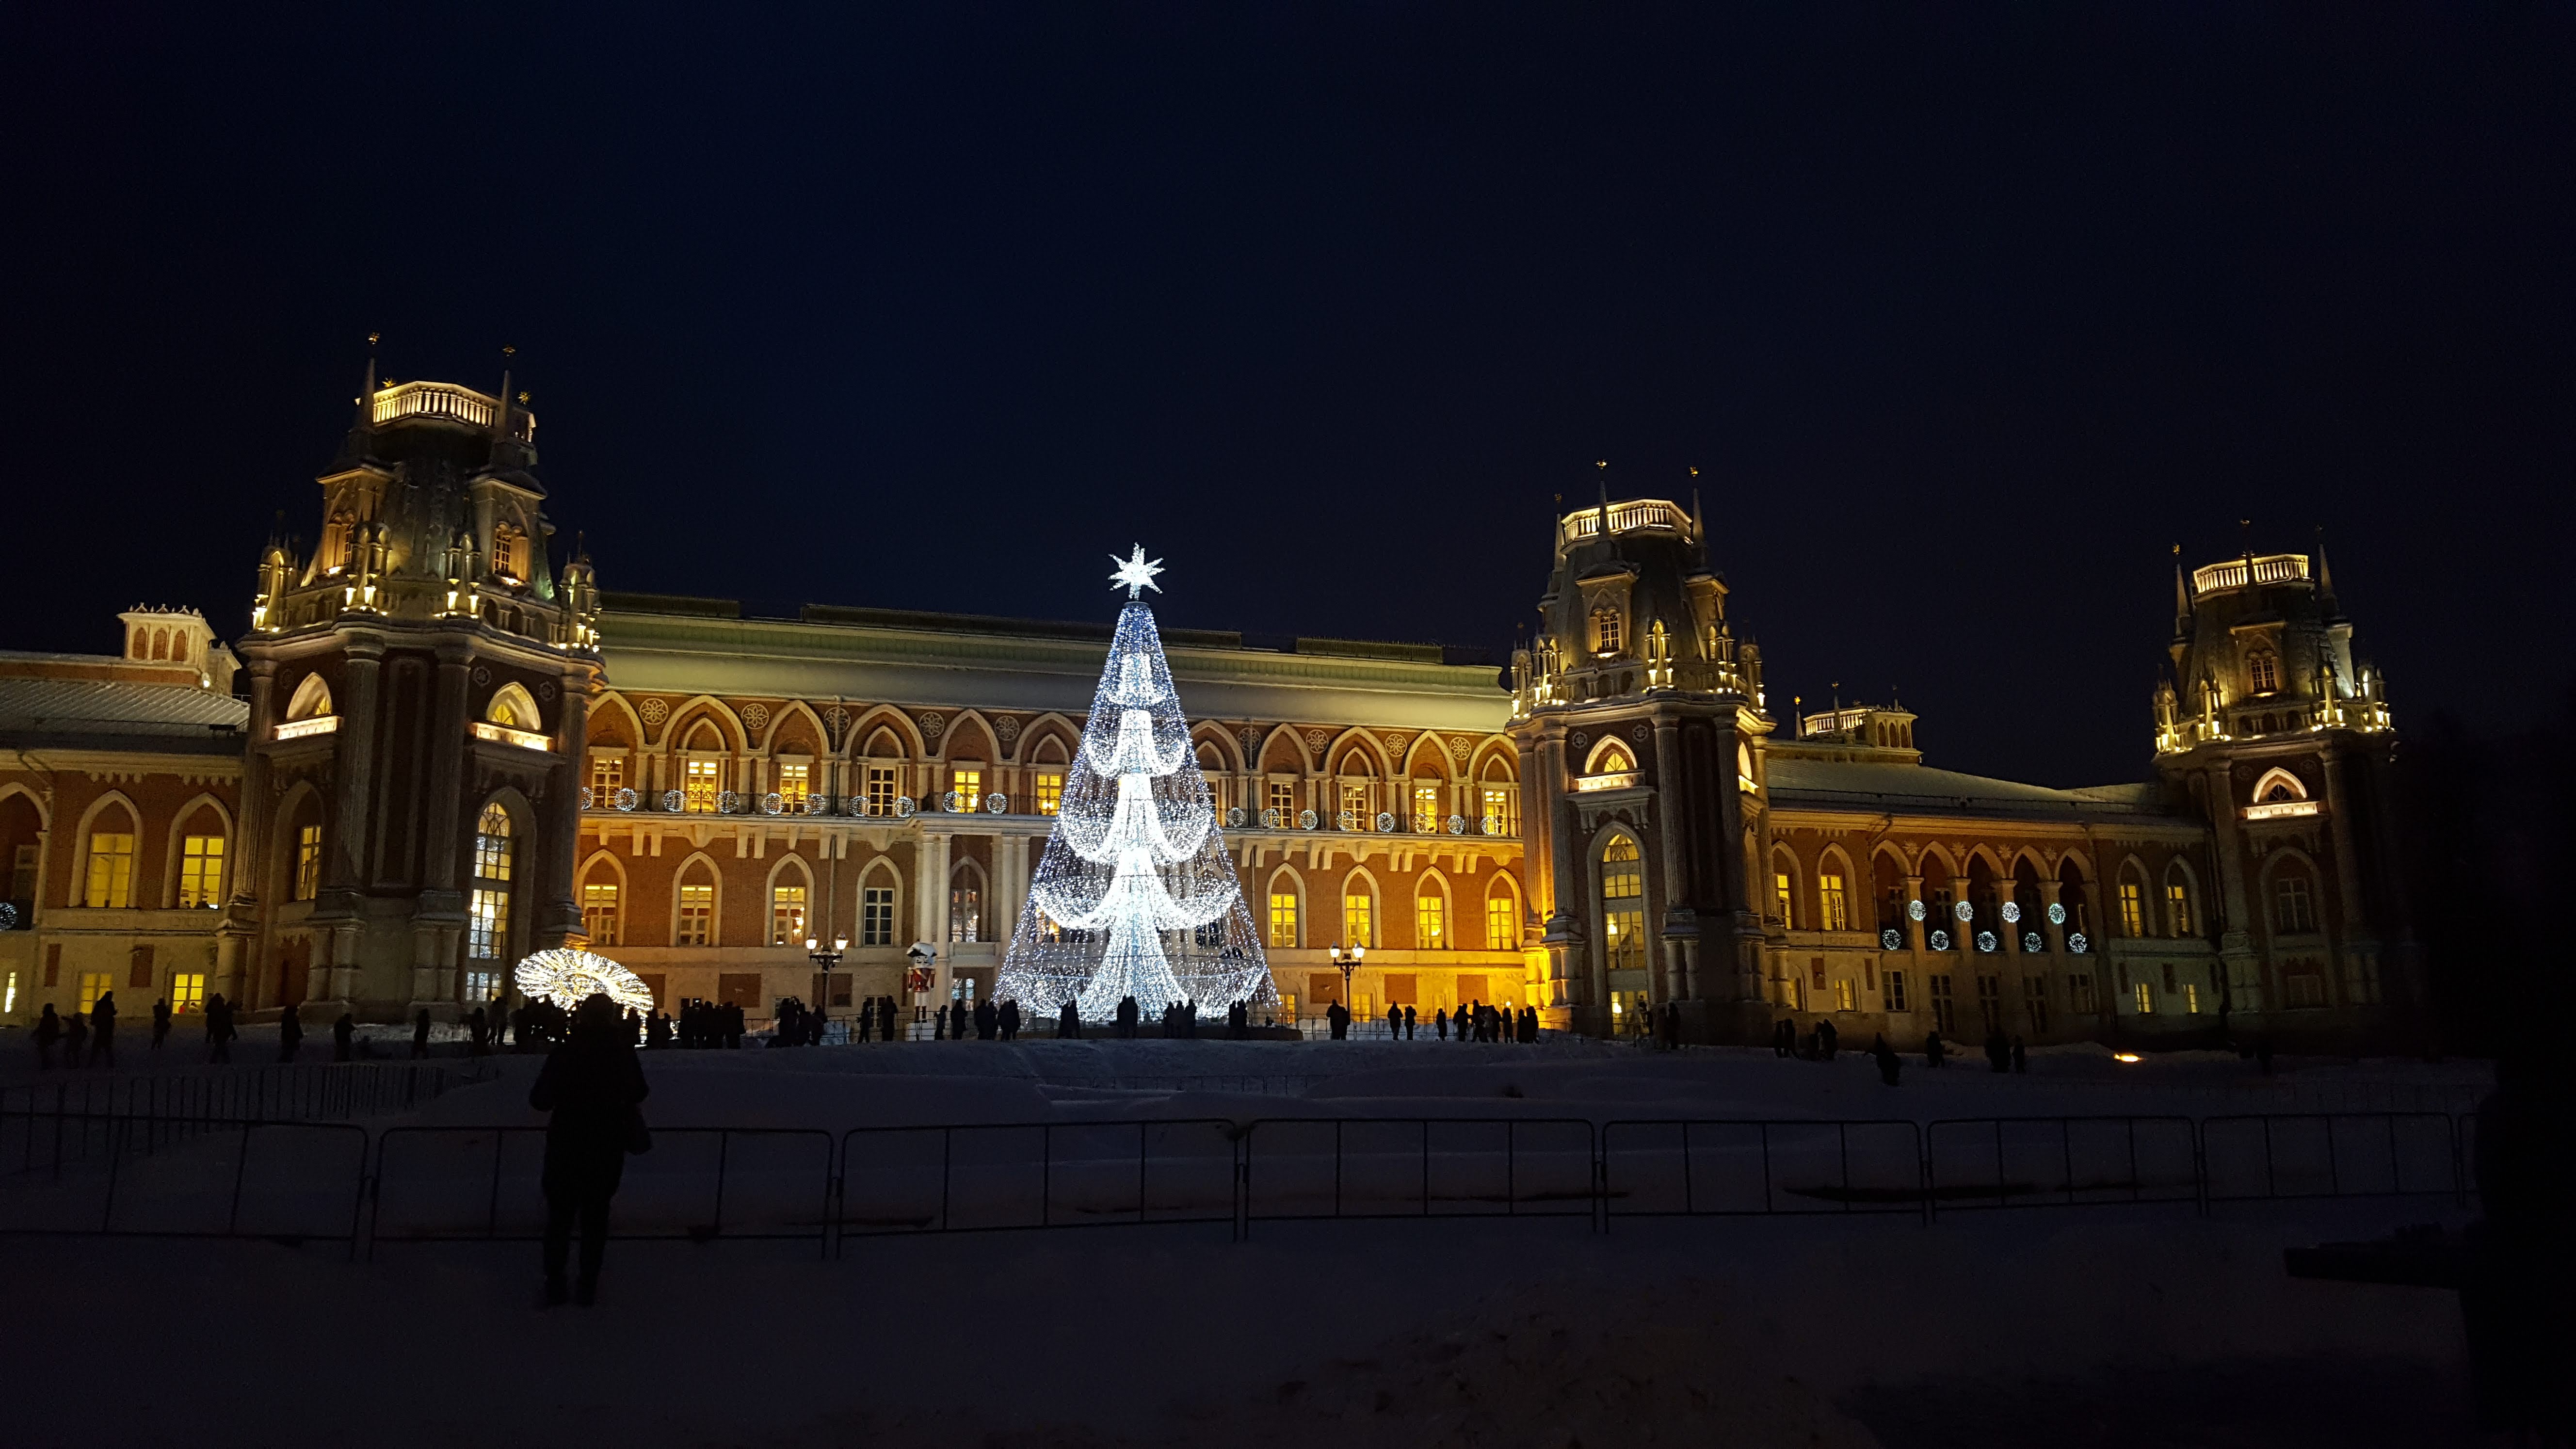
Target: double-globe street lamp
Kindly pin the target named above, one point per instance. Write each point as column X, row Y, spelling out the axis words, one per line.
column 1348, row 959
column 824, row 961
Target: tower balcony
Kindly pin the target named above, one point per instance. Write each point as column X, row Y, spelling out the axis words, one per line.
column 448, row 402
column 1628, row 517
column 2236, row 573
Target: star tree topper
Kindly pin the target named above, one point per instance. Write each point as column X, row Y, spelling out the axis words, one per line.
column 1135, row 573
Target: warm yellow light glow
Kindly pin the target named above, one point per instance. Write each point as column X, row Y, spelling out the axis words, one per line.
column 2126, row 1057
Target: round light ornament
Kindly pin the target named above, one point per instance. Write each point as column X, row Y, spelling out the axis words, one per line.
column 772, row 803
column 1385, row 822
column 1457, row 824
column 1986, row 941
column 2056, row 914
column 1914, row 911
column 903, row 807
column 1963, row 912
column 589, row 798
column 1270, row 819
column 997, row 804
column 729, row 803
column 2031, row 942
column 1234, row 817
column 8, row 916
column 948, row 802
column 1940, row 940
column 2012, row 912
column 1493, row 825
column 818, row 804
column 1306, row 820
column 1346, row 821
column 1890, row 941
column 2077, row 944
column 672, row 800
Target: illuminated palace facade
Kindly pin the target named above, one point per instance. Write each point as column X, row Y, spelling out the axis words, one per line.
column 447, row 751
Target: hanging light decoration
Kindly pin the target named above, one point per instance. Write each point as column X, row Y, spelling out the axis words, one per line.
column 568, row 978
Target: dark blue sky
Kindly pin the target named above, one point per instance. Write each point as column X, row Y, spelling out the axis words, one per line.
column 1966, row 315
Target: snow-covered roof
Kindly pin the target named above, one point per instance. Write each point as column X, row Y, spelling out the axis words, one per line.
column 1916, row 789
column 78, row 711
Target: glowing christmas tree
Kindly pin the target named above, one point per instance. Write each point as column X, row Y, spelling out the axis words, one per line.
column 1134, row 895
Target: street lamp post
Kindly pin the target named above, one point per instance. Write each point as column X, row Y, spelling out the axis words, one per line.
column 1348, row 959
column 824, row 961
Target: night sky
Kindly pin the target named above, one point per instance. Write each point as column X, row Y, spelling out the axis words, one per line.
column 1964, row 321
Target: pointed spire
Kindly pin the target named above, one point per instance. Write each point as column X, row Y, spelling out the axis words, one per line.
column 1601, row 474
column 2325, row 575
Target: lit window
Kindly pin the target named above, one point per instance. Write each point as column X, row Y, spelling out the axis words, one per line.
column 1502, row 923
column 1894, row 982
column 1783, row 899
column 1503, row 804
column 487, row 915
column 697, row 915
column 1623, row 905
column 1283, row 918
column 2263, row 671
column 1283, row 798
column 1430, row 923
column 308, row 862
column 1614, row 760
column 969, row 785
column 201, row 872
column 1829, row 894
column 1605, row 630
column 1355, row 804
column 607, row 777
column 787, row 915
column 482, row 985
column 1846, row 994
column 2178, row 907
column 187, row 992
column 876, row 916
column 1356, row 912
column 2298, row 911
column 965, row 909
column 93, row 985
column 2191, row 998
column 111, row 871
column 795, row 782
column 599, row 912
column 1050, row 791
column 2133, row 913
column 1426, row 809
column 881, row 790
column 2146, row 999
column 700, row 783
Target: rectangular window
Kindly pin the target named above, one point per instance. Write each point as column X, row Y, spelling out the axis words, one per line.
column 876, row 916
column 969, row 788
column 795, row 784
column 487, row 925
column 93, row 985
column 1783, row 899
column 2146, row 999
column 881, row 790
column 1283, row 799
column 2178, row 907
column 308, row 862
column 1050, row 791
column 701, row 782
column 2298, row 909
column 481, row 986
column 201, row 872
column 2133, row 916
column 1283, row 919
column 1945, row 1012
column 1503, row 807
column 111, row 871
column 1430, row 923
column 2035, row 997
column 599, row 913
column 697, row 914
column 187, row 992
column 1895, row 990
column 1355, row 804
column 1846, row 994
column 1426, row 809
column 965, row 913
column 1829, row 894
column 607, row 777
column 1990, row 1000
column 1356, row 910
column 2191, row 998
column 2079, row 993
column 1502, row 924
column 787, row 915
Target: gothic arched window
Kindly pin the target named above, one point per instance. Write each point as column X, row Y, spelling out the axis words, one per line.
column 1623, row 905
column 2263, row 671
column 1607, row 629
column 487, row 917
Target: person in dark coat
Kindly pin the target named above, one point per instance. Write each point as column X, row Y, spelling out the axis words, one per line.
column 341, row 1031
column 1440, row 1023
column 733, row 1026
column 290, row 1034
column 76, row 1041
column 49, row 1030
column 1933, row 1049
column 1068, row 1022
column 1011, row 1019
column 1889, row 1063
column 160, row 1022
column 593, row 1087
column 988, row 1022
column 219, row 1029
column 102, row 1025
column 1408, row 1023
column 1529, row 1025
column 1828, row 1040
column 1998, row 1050
column 2020, row 1058
column 1127, row 1014
column 1784, row 1037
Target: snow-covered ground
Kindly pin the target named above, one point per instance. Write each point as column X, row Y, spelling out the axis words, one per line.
column 2147, row 1325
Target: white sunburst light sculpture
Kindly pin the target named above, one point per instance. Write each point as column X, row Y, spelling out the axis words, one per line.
column 568, row 978
column 1134, row 894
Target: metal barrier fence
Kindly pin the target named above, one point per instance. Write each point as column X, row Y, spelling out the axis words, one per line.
column 123, row 1175
column 1417, row 1167
column 1999, row 1162
column 985, row 1178
column 1729, row 1168
column 286, row 1092
column 698, row 1184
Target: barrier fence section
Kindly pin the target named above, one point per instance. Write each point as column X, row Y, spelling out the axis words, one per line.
column 2001, row 1162
column 698, row 1184
column 1712, row 1167
column 288, row 1181
column 2276, row 1156
column 285, row 1092
column 983, row 1178
column 1417, row 1167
